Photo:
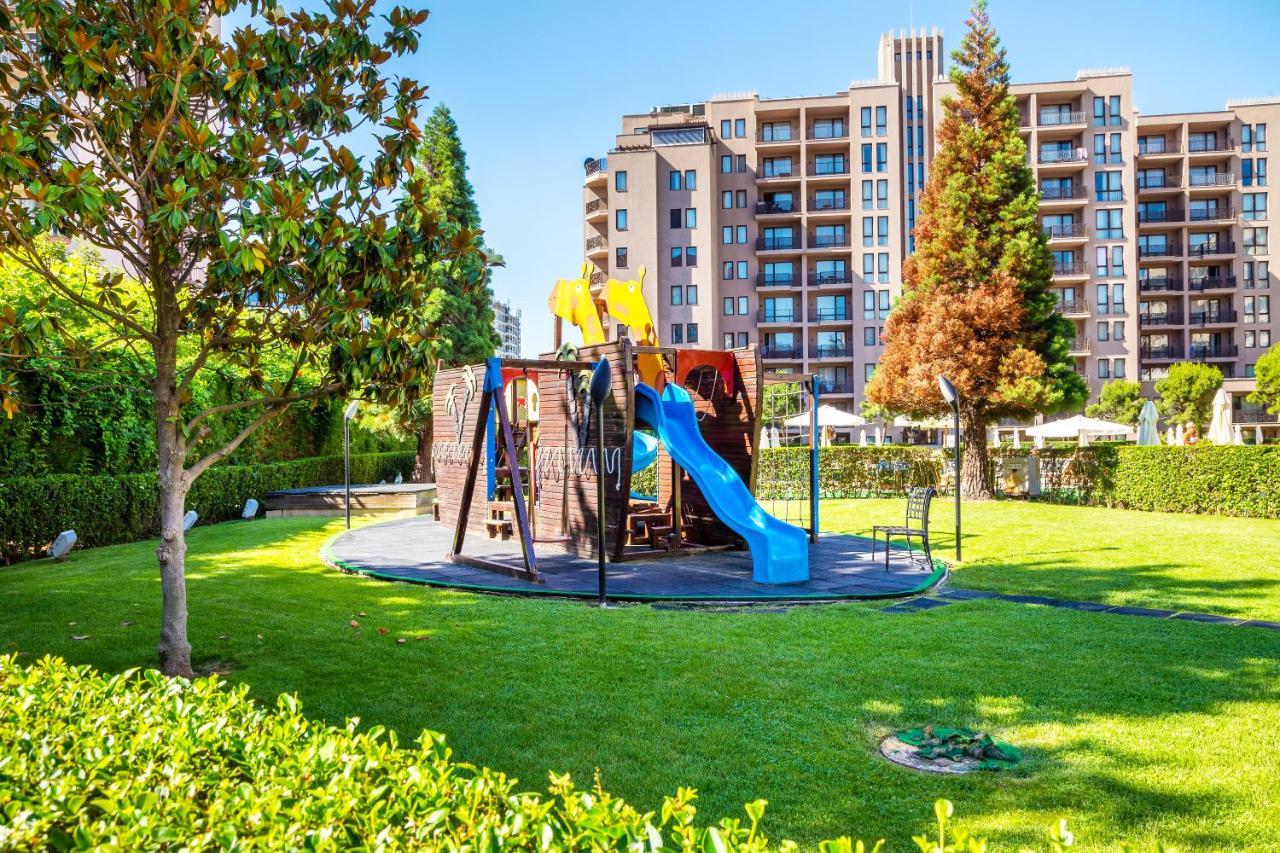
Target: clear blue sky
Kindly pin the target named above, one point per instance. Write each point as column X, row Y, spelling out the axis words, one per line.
column 539, row 85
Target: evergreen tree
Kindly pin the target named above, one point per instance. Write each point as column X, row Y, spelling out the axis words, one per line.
column 976, row 304
column 1267, row 381
column 458, row 316
column 1120, row 402
column 1186, row 393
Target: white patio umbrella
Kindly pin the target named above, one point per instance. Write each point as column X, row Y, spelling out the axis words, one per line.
column 1257, row 435
column 1220, row 421
column 1237, row 437
column 1084, row 439
column 1017, row 439
column 862, row 438
column 1178, row 436
column 879, row 436
column 1039, row 440
column 1077, row 425
column 1169, row 437
column 995, row 438
column 827, row 416
column 1147, row 434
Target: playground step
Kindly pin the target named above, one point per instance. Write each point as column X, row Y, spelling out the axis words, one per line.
column 504, row 472
column 499, row 527
column 660, row 537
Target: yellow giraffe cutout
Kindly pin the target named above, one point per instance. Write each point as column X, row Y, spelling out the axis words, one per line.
column 626, row 305
column 571, row 300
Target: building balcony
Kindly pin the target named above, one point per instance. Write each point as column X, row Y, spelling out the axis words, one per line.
column 1161, row 147
column 1064, row 232
column 767, row 279
column 596, row 247
column 597, row 210
column 1200, row 352
column 1217, row 213
column 597, row 170
column 1211, row 179
column 817, row 350
column 1060, row 119
column 829, row 278
column 1073, row 193
column 1159, row 183
column 1217, row 145
column 1070, row 269
column 1070, row 157
column 842, row 387
column 1253, row 416
column 829, row 241
column 781, row 351
column 1161, row 216
column 1159, row 250
column 778, row 244
column 1074, row 307
column 1167, row 352
column 1160, row 284
column 825, row 134
column 778, row 135
column 784, row 315
column 1217, row 282
column 1211, row 249
column 598, row 277
column 1168, row 318
column 778, row 173
column 1079, row 346
column 828, row 170
column 774, row 208
column 828, row 205
column 829, row 315
column 1213, row 317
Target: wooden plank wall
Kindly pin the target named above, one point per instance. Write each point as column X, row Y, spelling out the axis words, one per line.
column 451, row 438
column 730, row 425
column 566, row 473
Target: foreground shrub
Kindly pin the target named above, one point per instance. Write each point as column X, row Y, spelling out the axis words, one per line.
column 137, row 761
column 109, row 510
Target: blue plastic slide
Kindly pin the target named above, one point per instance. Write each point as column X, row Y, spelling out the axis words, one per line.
column 779, row 551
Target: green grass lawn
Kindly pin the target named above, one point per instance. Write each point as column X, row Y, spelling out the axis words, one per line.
column 1134, row 728
column 1196, row 563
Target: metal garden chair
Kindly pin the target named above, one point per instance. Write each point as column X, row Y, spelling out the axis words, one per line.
column 916, row 527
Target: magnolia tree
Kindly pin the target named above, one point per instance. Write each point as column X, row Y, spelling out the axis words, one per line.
column 976, row 304
column 247, row 230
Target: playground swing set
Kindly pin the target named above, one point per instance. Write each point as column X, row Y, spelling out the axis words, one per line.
column 527, row 433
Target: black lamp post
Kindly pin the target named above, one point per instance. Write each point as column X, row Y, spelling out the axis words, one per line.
column 346, row 454
column 953, row 399
column 601, row 381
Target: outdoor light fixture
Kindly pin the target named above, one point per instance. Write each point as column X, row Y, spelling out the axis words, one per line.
column 346, row 454
column 953, row 400
column 601, row 381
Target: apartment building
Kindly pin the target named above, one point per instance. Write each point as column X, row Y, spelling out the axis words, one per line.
column 784, row 221
column 506, row 321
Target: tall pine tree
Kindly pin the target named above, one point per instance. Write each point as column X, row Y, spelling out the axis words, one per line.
column 458, row 314
column 976, row 304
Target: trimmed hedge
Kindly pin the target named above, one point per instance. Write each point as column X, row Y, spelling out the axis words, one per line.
column 109, row 510
column 1243, row 481
column 140, row 762
column 846, row 471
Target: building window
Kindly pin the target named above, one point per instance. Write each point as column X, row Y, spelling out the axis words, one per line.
column 882, row 195
column 620, row 258
column 726, row 128
column 739, row 130
column 1116, row 156
column 742, row 270
column 743, row 340
column 726, row 164
column 866, row 121
column 620, row 182
column 690, row 180
column 866, row 157
column 741, row 198
column 1099, row 112
column 868, row 370
column 884, row 299
column 882, row 121
column 869, row 336
column 691, row 294
column 1117, row 299
column 677, row 256
column 868, row 305
column 744, row 305
column 882, row 230
column 673, row 180
column 691, row 256
column 882, row 156
column 1104, row 368
column 726, row 235
column 728, row 340
column 868, row 232
column 728, row 306
column 691, row 333
column 1107, row 186
column 675, row 217
column 620, row 219
column 1117, row 330
column 1117, row 260
column 742, row 233
column 775, row 131
column 677, row 295
column 726, row 272
column 690, row 217
column 1118, row 370
column 866, row 195
column 726, row 200
column 869, row 268
column 1115, row 110
column 1254, row 206
column 1104, row 330
column 883, row 278
column 828, row 128
column 1109, row 224
column 677, row 333
column 1255, row 241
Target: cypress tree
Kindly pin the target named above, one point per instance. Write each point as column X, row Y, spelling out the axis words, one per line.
column 976, row 304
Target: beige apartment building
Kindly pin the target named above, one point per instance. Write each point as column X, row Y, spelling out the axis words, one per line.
column 783, row 222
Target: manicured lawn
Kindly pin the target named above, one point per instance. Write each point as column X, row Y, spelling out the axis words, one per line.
column 1134, row 728
column 1196, row 563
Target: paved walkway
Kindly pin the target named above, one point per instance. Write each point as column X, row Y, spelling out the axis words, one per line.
column 942, row 597
column 413, row 550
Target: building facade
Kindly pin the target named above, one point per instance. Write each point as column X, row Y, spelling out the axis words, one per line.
column 506, row 321
column 784, row 222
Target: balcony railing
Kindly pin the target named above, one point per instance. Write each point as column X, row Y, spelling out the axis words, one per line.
column 593, row 206
column 1159, row 250
column 776, row 244
column 1064, row 230
column 764, row 207
column 1074, row 191
column 1073, row 306
column 828, row 241
column 1057, row 119
column 817, row 350
column 829, row 132
column 1199, row 351
column 829, row 315
column 817, row 204
column 1071, row 155
column 594, row 243
column 1160, row 284
column 1253, row 416
column 778, row 171
column 1200, row 146
column 595, row 165
column 827, row 168
column 1069, row 268
column 1079, row 344
column 778, row 315
column 1211, row 179
column 599, row 277
column 830, row 277
column 1159, row 182
column 1168, row 352
column 1217, row 282
column 1213, row 317
column 1160, row 145
column 1160, row 214
column 780, row 351
column 842, row 387
column 1213, row 247
column 778, row 133
column 777, row 279
column 1206, row 214
column 1168, row 318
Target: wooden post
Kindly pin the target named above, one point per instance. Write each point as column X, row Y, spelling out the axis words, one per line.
column 473, row 474
column 513, row 464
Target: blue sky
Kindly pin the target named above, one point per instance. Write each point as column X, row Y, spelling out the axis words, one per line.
column 539, row 85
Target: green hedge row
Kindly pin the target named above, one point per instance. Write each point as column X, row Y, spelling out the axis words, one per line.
column 141, row 762
column 1243, row 481
column 108, row 510
column 846, row 471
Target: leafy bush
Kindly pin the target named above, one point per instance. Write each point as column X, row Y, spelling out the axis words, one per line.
column 645, row 481
column 136, row 761
column 846, row 471
column 107, row 510
column 1233, row 480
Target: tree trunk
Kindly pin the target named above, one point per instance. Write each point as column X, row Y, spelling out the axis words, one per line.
column 171, row 454
column 974, row 484
column 422, row 462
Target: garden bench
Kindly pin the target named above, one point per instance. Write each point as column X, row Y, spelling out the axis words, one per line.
column 916, row 527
